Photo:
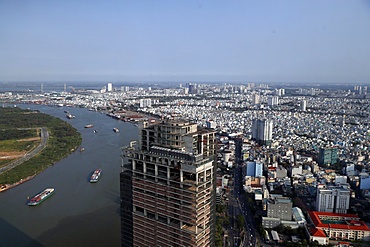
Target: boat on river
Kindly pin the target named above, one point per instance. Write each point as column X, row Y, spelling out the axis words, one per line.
column 89, row 126
column 70, row 116
column 96, row 175
column 40, row 197
column 116, row 130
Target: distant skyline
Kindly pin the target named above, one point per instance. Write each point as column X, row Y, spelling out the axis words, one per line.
column 196, row 41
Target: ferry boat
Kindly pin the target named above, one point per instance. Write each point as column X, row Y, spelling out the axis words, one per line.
column 116, row 130
column 89, row 126
column 95, row 176
column 40, row 197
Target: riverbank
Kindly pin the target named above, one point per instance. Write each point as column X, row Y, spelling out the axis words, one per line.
column 5, row 187
column 63, row 140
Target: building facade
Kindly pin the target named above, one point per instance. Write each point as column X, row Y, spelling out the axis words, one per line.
column 272, row 100
column 255, row 99
column 303, row 106
column 333, row 199
column 168, row 187
column 110, row 87
column 279, row 209
column 328, row 155
column 254, row 168
column 145, row 103
column 262, row 131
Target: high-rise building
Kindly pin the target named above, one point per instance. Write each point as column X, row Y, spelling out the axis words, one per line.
column 273, row 100
column 110, row 87
column 328, row 155
column 303, row 105
column 334, row 199
column 145, row 103
column 262, row 131
column 255, row 99
column 192, row 88
column 168, row 186
column 279, row 91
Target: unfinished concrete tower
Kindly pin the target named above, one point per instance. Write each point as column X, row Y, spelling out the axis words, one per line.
column 168, row 187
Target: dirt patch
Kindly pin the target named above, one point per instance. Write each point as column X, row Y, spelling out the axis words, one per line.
column 11, row 155
column 30, row 139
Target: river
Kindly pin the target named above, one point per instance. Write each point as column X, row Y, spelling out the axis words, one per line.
column 79, row 213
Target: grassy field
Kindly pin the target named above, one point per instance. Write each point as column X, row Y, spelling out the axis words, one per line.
column 13, row 149
column 18, row 145
column 5, row 162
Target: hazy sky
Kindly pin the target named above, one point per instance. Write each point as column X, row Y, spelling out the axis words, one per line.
column 185, row 40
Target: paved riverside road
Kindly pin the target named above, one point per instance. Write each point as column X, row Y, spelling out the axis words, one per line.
column 27, row 156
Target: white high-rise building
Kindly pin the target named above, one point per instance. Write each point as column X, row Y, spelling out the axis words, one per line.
column 273, row 100
column 145, row 103
column 334, row 199
column 280, row 92
column 110, row 87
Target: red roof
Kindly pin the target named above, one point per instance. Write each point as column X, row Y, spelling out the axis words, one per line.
column 350, row 224
column 317, row 232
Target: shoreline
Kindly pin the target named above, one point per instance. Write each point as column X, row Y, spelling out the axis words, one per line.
column 9, row 186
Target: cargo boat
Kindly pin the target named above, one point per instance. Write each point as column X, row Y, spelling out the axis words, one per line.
column 40, row 197
column 95, row 176
column 70, row 116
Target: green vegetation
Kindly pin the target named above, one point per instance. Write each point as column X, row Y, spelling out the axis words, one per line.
column 222, row 221
column 63, row 139
column 240, row 221
column 4, row 162
column 286, row 230
column 8, row 134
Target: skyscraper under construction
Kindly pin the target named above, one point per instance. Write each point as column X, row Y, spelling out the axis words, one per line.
column 168, row 186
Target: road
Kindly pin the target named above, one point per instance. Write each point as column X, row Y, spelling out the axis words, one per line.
column 251, row 234
column 249, row 226
column 27, row 156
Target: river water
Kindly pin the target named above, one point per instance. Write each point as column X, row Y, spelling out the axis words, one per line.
column 79, row 213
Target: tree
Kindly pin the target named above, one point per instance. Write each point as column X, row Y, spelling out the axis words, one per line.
column 240, row 221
